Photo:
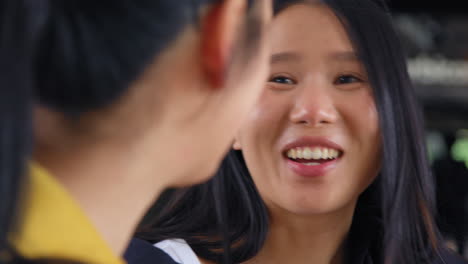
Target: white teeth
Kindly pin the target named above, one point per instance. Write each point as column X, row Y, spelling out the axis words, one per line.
column 315, row 153
column 292, row 154
column 325, row 153
column 299, row 153
column 312, row 163
column 333, row 154
column 307, row 153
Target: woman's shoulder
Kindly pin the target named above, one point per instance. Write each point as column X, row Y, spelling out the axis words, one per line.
column 168, row 251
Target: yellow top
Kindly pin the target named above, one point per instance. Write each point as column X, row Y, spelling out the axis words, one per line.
column 54, row 226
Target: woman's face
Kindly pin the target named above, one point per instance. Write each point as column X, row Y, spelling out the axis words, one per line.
column 312, row 142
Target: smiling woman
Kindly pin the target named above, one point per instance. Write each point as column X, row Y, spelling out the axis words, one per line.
column 306, row 111
column 329, row 167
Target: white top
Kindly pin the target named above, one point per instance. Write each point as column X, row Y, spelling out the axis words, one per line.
column 179, row 251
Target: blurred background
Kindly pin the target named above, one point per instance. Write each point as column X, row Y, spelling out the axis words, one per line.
column 435, row 36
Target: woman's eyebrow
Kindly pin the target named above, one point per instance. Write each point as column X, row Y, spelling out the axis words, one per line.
column 284, row 57
column 289, row 56
column 344, row 56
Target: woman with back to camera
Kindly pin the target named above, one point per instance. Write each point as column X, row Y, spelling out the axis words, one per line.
column 330, row 166
column 106, row 98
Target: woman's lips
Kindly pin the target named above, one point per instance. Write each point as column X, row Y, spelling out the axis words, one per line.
column 312, row 157
column 316, row 170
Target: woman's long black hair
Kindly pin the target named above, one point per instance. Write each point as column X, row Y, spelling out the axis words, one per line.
column 74, row 57
column 401, row 198
column 16, row 37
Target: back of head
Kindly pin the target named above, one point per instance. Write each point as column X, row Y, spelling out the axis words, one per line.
column 73, row 57
column 90, row 51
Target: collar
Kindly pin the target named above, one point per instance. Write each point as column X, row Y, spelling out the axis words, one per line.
column 54, row 226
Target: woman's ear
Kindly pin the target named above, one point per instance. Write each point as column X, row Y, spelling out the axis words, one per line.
column 220, row 28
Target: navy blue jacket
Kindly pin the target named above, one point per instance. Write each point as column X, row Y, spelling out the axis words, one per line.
column 142, row 252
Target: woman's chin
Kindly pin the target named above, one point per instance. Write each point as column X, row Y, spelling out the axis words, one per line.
column 312, row 206
column 316, row 210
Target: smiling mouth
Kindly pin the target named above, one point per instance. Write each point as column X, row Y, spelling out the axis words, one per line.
column 313, row 156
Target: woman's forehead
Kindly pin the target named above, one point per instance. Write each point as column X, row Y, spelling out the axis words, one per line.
column 305, row 29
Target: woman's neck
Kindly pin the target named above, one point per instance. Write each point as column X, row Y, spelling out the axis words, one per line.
column 295, row 239
column 114, row 173
column 112, row 184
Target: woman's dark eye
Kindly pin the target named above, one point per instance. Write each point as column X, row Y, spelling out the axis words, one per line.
column 347, row 79
column 281, row 80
